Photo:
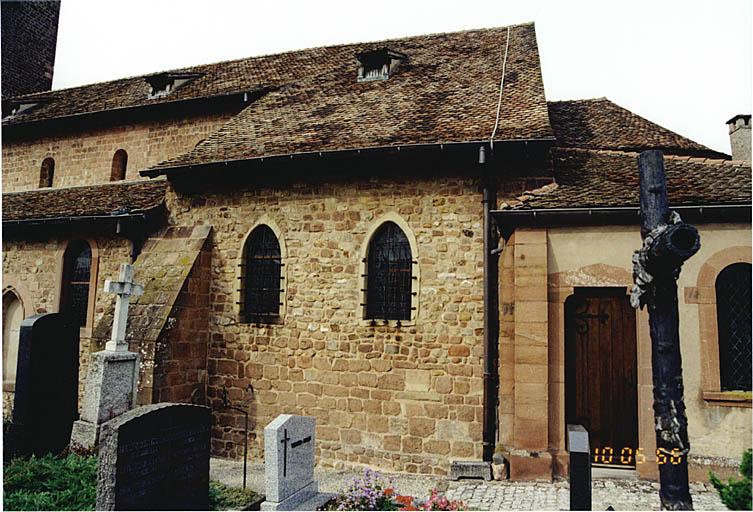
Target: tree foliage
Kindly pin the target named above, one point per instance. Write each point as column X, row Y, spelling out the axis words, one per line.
column 736, row 494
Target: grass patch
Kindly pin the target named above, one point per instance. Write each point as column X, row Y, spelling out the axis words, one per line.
column 51, row 483
column 222, row 497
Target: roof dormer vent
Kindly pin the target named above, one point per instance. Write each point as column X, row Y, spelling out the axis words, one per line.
column 163, row 84
column 14, row 107
column 378, row 64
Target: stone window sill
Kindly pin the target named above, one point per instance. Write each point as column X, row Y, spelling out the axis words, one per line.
column 728, row 398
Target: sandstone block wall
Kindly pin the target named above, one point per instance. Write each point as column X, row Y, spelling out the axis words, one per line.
column 402, row 398
column 85, row 157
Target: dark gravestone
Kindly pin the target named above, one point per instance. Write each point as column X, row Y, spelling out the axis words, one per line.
column 580, row 467
column 46, row 396
column 155, row 457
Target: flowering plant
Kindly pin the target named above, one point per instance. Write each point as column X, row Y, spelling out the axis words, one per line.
column 370, row 492
column 373, row 492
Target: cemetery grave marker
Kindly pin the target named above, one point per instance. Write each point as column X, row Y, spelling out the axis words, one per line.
column 46, row 393
column 289, row 447
column 155, row 457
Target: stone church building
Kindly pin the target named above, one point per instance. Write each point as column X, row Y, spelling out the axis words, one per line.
column 403, row 239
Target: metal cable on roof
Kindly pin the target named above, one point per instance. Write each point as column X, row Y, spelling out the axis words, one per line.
column 501, row 86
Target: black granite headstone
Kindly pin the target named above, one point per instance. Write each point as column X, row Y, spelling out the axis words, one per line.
column 45, row 404
column 155, row 457
column 580, row 467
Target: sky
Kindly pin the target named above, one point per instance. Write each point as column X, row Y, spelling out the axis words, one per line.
column 684, row 64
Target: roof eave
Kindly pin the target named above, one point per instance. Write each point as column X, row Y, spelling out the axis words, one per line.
column 168, row 171
column 142, row 214
column 246, row 96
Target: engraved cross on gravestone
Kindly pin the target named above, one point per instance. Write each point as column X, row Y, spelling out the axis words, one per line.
column 124, row 287
column 289, row 443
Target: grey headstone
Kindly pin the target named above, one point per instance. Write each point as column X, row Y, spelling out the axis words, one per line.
column 289, row 443
column 155, row 457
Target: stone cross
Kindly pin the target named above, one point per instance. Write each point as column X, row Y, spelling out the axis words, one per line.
column 124, row 287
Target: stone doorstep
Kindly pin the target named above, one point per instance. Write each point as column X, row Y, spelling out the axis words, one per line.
column 470, row 469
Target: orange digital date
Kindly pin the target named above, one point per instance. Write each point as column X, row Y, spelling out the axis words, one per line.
column 628, row 456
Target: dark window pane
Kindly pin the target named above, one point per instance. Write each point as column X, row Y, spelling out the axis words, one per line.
column 733, row 314
column 390, row 272
column 77, row 272
column 261, row 282
column 78, row 302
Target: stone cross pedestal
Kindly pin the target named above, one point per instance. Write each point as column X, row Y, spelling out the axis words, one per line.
column 111, row 383
column 289, row 464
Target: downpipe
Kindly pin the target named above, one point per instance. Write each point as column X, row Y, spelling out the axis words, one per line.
column 491, row 311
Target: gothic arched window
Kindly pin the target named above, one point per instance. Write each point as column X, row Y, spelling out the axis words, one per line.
column 77, row 265
column 119, row 164
column 733, row 316
column 46, row 173
column 389, row 274
column 261, row 279
column 13, row 315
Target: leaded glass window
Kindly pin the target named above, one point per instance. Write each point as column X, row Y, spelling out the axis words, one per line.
column 262, row 276
column 733, row 314
column 77, row 274
column 389, row 275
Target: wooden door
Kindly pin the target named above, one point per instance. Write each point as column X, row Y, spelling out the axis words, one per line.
column 601, row 374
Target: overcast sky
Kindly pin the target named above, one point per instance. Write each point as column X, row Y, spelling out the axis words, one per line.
column 684, row 64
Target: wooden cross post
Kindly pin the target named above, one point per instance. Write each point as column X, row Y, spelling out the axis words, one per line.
column 124, row 288
column 667, row 243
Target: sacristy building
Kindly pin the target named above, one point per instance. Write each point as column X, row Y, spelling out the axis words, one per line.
column 403, row 239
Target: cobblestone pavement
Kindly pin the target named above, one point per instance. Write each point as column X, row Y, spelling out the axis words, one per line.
column 480, row 495
column 620, row 494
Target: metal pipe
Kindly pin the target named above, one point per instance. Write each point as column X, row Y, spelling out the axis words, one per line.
column 491, row 314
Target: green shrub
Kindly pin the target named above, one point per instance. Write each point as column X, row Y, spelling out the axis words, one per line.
column 222, row 497
column 51, row 483
column 736, row 494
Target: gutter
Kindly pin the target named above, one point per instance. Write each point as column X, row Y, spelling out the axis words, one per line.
column 181, row 169
column 141, row 215
column 245, row 97
column 618, row 215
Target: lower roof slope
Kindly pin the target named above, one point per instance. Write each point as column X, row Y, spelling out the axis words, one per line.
column 600, row 178
column 123, row 198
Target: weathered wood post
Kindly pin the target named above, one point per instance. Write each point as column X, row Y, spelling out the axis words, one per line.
column 667, row 243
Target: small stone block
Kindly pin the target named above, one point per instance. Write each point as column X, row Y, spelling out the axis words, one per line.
column 470, row 469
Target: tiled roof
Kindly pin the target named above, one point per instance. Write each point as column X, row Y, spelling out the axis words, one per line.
column 600, row 178
column 601, row 124
column 88, row 201
column 446, row 92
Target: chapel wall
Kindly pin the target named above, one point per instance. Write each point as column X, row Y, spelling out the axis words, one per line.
column 601, row 256
column 34, row 268
column 403, row 398
column 84, row 157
